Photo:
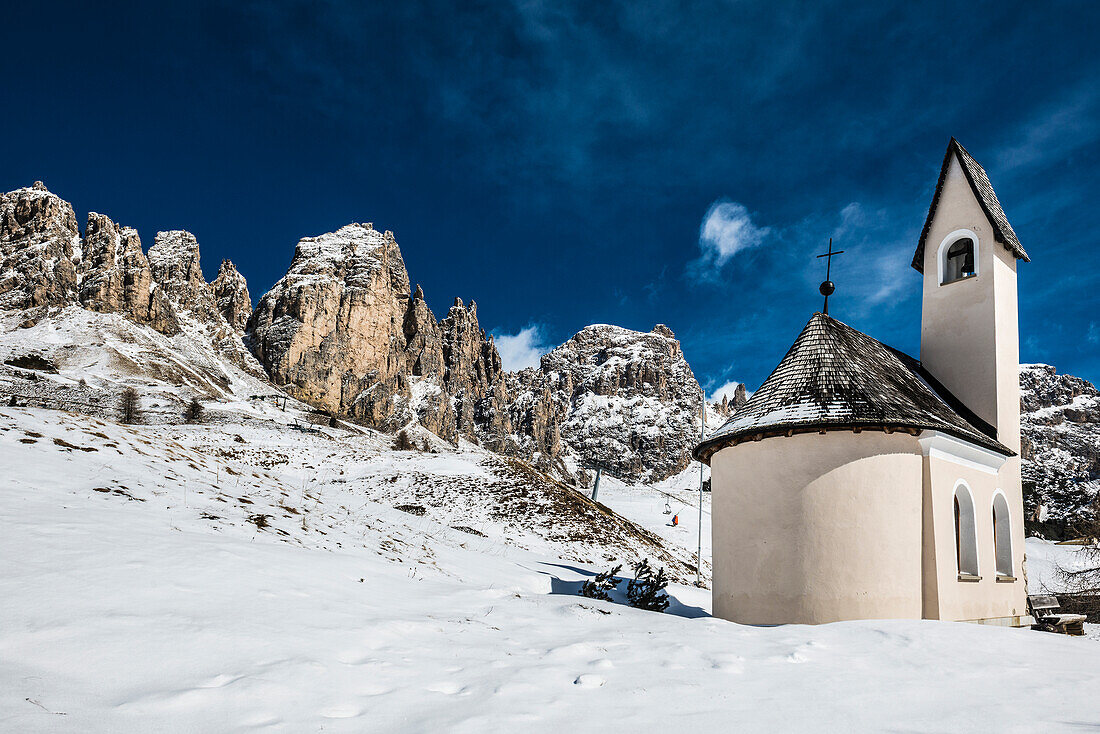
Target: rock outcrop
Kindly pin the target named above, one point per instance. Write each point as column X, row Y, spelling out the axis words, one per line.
column 624, row 400
column 39, row 249
column 332, row 330
column 175, row 263
column 231, row 296
column 46, row 263
column 342, row 331
column 1060, row 422
column 115, row 276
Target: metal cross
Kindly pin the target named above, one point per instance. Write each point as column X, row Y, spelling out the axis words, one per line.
column 826, row 289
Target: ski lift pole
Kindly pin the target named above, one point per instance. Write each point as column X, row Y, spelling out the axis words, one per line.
column 699, row 554
column 596, row 484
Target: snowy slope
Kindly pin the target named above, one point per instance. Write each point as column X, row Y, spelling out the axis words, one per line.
column 139, row 593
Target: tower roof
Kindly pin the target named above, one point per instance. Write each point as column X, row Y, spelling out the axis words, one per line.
column 836, row 378
column 987, row 199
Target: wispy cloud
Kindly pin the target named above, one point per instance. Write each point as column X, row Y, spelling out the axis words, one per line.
column 523, row 349
column 726, row 230
column 1055, row 132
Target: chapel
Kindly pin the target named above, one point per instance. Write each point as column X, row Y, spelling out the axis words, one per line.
column 861, row 483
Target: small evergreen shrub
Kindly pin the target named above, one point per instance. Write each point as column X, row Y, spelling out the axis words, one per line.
column 403, row 442
column 194, row 411
column 646, row 589
column 601, row 586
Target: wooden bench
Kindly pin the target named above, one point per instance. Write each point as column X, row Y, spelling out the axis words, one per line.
column 1044, row 607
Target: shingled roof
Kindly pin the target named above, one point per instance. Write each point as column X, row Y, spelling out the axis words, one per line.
column 836, row 378
column 983, row 192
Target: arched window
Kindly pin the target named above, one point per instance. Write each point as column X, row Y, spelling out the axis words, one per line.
column 959, row 261
column 1002, row 535
column 966, row 538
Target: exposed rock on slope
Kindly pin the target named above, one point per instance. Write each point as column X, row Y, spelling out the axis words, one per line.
column 39, row 245
column 341, row 331
column 175, row 263
column 47, row 265
column 1060, row 416
column 622, row 399
column 231, row 295
column 115, row 276
column 332, row 329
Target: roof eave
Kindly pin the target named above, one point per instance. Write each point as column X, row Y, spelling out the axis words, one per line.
column 707, row 448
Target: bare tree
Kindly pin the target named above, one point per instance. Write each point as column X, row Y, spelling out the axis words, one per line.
column 1081, row 578
column 129, row 406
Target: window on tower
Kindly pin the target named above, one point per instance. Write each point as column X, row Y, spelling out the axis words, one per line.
column 959, row 261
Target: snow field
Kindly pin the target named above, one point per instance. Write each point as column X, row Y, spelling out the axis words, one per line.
column 138, row 615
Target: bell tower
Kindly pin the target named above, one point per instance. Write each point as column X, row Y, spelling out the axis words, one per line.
column 968, row 252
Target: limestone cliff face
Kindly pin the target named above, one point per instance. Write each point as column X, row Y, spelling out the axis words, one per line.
column 39, row 249
column 174, row 261
column 115, row 276
column 1060, row 448
column 231, row 296
column 342, row 332
column 332, row 330
column 623, row 399
column 472, row 369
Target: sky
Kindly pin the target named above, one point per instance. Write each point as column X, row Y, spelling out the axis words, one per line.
column 567, row 163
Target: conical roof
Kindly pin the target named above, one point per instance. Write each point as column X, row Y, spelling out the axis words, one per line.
column 836, row 378
column 987, row 199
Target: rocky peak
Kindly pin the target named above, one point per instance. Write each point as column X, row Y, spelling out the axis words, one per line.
column 115, row 276
column 231, row 295
column 423, row 338
column 333, row 328
column 174, row 259
column 626, row 400
column 472, row 364
column 177, row 272
column 39, row 248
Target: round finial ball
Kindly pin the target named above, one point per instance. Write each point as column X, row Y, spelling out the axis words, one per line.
column 827, row 288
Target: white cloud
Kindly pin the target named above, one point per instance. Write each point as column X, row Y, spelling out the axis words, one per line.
column 727, row 229
column 726, row 391
column 523, row 349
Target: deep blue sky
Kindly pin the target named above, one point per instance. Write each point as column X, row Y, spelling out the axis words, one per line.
column 555, row 161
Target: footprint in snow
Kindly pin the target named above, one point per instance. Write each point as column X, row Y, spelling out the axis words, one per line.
column 448, row 688
column 341, row 712
column 220, row 681
column 589, row 680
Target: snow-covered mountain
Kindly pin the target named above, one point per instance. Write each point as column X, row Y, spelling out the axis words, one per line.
column 1060, row 417
column 624, row 400
column 344, row 332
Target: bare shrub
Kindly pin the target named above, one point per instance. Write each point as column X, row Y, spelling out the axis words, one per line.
column 129, row 406
column 1081, row 581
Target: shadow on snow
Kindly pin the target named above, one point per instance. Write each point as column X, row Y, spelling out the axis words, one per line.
column 618, row 596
